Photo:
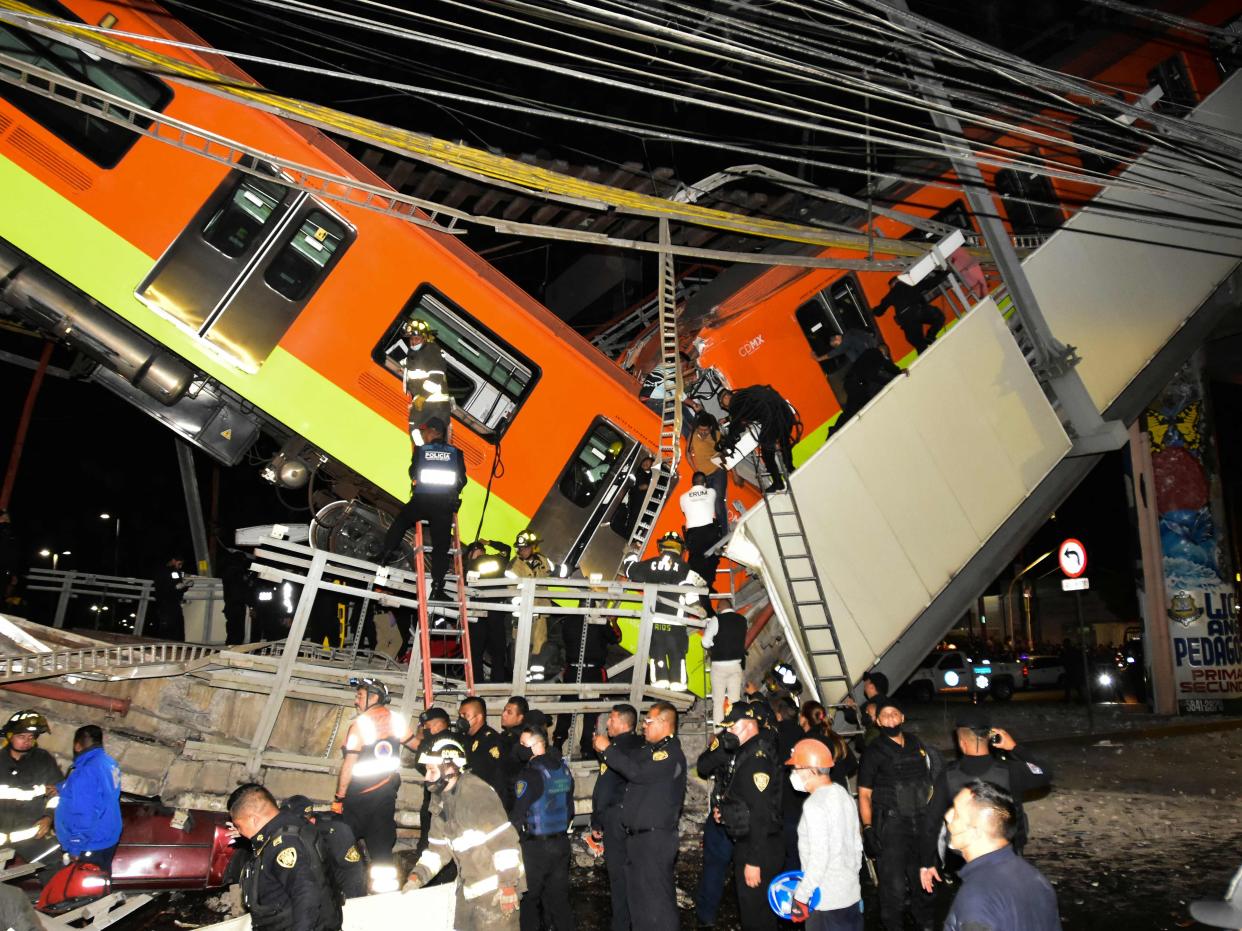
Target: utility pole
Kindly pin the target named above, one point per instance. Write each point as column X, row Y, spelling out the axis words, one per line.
column 23, row 426
column 193, row 506
column 1054, row 360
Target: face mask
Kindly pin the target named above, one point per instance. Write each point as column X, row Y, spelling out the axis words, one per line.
column 525, row 754
column 729, row 741
column 462, row 725
column 798, row 781
column 891, row 731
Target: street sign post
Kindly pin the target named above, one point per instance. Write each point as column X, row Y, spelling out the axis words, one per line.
column 1072, row 556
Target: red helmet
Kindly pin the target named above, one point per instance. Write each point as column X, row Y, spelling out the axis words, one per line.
column 76, row 884
column 810, row 754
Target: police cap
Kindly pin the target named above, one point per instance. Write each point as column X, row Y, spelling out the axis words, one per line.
column 740, row 710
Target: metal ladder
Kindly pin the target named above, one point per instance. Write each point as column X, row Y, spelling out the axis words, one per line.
column 812, row 620
column 424, row 621
column 664, row 472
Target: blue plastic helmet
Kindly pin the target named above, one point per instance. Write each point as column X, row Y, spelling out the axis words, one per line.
column 781, row 893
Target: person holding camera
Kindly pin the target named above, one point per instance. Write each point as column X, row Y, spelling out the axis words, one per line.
column 987, row 754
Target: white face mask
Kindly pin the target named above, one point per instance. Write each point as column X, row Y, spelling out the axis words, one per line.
column 798, row 781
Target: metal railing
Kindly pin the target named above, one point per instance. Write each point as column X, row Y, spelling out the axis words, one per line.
column 103, row 661
column 71, row 584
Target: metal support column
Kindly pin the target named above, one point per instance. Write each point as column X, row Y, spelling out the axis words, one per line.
column 288, row 658
column 521, row 643
column 144, row 600
column 642, row 649
column 1055, row 361
column 23, row 425
column 1157, row 641
column 193, row 506
column 62, row 600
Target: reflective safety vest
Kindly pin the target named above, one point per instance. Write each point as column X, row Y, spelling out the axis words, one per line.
column 551, row 812
column 379, row 758
column 438, row 469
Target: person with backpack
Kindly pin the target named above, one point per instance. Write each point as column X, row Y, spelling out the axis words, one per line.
column 338, row 848
column 285, row 886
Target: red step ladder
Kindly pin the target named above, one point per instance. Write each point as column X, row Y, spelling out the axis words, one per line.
column 424, row 622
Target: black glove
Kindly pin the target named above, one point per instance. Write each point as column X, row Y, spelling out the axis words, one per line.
column 871, row 842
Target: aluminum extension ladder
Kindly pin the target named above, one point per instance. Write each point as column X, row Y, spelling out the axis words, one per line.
column 812, row 618
column 664, row 472
column 425, row 632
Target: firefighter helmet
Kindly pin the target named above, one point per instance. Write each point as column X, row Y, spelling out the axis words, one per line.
column 374, row 686
column 419, row 328
column 527, row 538
column 671, row 541
column 444, row 750
column 810, row 754
column 26, row 722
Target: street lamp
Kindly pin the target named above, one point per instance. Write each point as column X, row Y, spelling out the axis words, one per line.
column 1009, row 607
column 116, row 540
column 54, row 556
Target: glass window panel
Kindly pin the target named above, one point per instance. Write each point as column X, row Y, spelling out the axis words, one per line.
column 236, row 225
column 102, row 142
column 299, row 265
column 591, row 464
column 488, row 378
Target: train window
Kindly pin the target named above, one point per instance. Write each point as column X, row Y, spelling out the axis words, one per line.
column 1227, row 49
column 237, row 223
column 488, row 378
column 1173, row 77
column 1029, row 201
column 299, row 266
column 103, row 143
column 591, row 464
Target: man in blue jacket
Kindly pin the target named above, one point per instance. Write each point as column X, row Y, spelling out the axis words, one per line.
column 88, row 818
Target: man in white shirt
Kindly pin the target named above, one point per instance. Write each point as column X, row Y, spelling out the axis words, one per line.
column 829, row 844
column 698, row 508
column 725, row 636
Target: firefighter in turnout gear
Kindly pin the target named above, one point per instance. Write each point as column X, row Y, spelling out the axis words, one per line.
column 543, row 806
column 437, row 475
column 286, row 885
column 469, row 827
column 749, row 810
column 492, row 638
column 655, row 789
column 532, row 564
column 669, row 641
column 424, row 377
column 27, row 791
column 366, row 792
column 895, row 783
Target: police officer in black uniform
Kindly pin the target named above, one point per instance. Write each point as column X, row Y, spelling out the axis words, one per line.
column 492, row 638
column 543, row 806
column 606, row 801
column 655, row 789
column 437, row 474
column 988, row 754
column 337, row 841
column 485, row 749
column 895, row 783
column 285, row 886
column 715, row 763
column 749, row 810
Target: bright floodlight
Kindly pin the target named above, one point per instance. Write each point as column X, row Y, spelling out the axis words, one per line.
column 105, row 516
column 45, row 553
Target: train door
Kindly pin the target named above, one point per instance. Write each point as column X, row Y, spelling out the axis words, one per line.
column 575, row 519
column 246, row 265
column 839, row 307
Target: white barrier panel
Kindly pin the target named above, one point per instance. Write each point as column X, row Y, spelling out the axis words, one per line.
column 900, row 499
column 1118, row 289
column 425, row 909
